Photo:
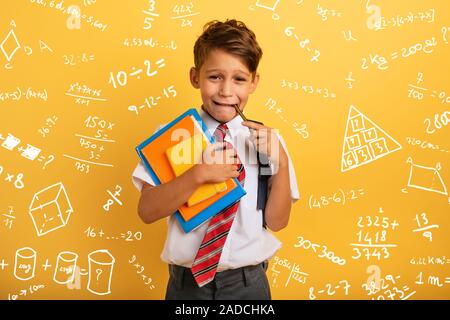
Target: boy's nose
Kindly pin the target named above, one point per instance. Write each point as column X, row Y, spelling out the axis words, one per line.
column 225, row 89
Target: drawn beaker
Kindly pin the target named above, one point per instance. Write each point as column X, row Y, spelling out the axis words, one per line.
column 25, row 264
column 101, row 264
column 65, row 267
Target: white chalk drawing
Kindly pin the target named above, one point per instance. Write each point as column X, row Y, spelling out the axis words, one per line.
column 50, row 209
column 31, row 152
column 101, row 264
column 10, row 40
column 424, row 226
column 25, row 264
column 9, row 218
column 364, row 141
column 271, row 7
column 426, row 178
column 10, row 142
column 348, row 36
column 66, row 263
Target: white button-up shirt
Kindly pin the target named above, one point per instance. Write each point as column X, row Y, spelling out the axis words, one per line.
column 248, row 243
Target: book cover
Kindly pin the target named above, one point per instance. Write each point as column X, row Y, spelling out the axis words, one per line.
column 184, row 156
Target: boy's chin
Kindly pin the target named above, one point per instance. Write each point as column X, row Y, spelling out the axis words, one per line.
column 223, row 115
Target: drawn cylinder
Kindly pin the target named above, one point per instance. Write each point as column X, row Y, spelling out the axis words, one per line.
column 66, row 263
column 25, row 263
column 101, row 264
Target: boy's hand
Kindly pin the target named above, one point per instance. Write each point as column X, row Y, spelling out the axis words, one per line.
column 266, row 142
column 219, row 163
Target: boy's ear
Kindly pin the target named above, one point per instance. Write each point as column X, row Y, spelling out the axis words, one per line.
column 254, row 83
column 194, row 77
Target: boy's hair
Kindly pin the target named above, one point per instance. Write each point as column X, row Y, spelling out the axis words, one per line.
column 233, row 37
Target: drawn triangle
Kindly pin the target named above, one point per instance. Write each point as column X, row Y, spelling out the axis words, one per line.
column 364, row 141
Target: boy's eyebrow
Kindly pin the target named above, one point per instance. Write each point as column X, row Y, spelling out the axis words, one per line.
column 220, row 70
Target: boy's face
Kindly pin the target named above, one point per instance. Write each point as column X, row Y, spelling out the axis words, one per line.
column 223, row 80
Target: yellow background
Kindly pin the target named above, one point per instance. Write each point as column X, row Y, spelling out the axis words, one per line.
column 316, row 151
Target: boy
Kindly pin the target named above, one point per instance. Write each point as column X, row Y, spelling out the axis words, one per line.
column 226, row 257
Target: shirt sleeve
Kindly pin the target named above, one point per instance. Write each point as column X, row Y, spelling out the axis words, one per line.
column 295, row 195
column 140, row 173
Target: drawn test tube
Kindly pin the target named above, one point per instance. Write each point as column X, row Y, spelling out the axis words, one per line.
column 25, row 264
column 65, row 267
column 101, row 264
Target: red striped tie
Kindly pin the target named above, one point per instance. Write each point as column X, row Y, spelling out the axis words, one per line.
column 205, row 263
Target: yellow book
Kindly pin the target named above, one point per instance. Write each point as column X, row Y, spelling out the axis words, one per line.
column 184, row 156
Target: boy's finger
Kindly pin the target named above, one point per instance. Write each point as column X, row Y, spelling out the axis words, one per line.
column 252, row 125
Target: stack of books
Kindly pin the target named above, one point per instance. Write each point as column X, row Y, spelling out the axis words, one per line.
column 176, row 148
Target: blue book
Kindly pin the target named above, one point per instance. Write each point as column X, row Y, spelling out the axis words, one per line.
column 153, row 154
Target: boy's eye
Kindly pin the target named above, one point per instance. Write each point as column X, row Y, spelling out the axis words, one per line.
column 241, row 79
column 214, row 77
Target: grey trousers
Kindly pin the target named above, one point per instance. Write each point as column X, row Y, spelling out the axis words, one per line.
column 246, row 283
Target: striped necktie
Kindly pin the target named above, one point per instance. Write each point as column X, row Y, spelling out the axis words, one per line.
column 207, row 259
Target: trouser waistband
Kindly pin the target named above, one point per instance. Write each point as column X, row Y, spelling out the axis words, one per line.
column 183, row 275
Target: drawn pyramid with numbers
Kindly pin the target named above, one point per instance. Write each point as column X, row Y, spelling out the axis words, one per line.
column 364, row 141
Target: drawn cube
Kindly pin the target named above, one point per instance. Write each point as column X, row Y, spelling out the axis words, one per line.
column 50, row 209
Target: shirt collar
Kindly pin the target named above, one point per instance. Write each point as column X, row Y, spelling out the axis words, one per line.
column 234, row 125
